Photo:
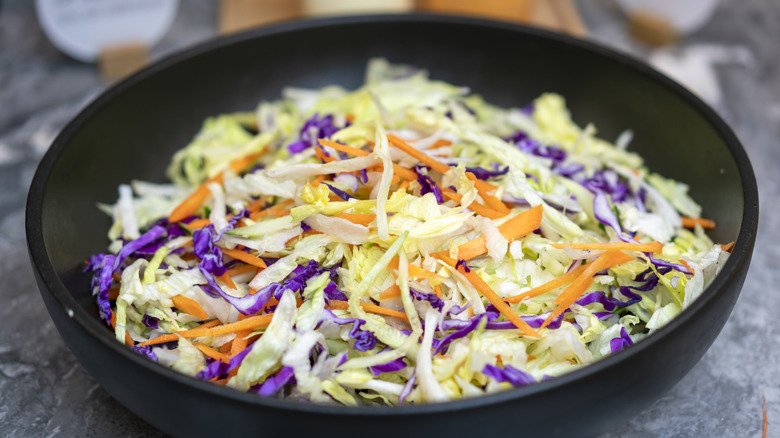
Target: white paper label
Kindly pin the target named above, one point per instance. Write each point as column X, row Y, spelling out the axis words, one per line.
column 82, row 28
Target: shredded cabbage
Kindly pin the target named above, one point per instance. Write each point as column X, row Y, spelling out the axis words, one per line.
column 334, row 267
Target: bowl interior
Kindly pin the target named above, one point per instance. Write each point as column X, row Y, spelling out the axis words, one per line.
column 131, row 131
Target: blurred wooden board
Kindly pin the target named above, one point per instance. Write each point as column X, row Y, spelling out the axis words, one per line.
column 238, row 15
column 115, row 62
column 512, row 10
column 558, row 15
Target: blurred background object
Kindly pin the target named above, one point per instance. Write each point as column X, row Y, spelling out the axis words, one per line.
column 115, row 34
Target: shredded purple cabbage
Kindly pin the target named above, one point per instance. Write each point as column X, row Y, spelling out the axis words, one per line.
column 332, row 292
column 273, row 384
column 508, row 374
column 435, row 301
column 145, row 350
column 364, row 340
column 314, row 129
column 407, row 389
column 485, row 174
column 218, row 368
column 340, row 193
column 608, row 181
column 151, row 322
column 389, row 367
column 460, row 263
column 427, row 184
column 620, row 342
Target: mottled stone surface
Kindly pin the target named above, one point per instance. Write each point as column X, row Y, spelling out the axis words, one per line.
column 45, row 392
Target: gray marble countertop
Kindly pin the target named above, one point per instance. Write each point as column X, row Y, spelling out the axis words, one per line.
column 733, row 62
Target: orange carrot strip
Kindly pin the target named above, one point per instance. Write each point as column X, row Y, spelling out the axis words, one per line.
column 242, row 163
column 113, row 294
column 210, row 352
column 416, row 272
column 440, row 143
column 687, row 266
column 244, row 257
column 344, row 148
column 194, row 201
column 188, row 305
column 322, row 157
column 398, row 170
column 391, row 292
column 241, row 270
column 491, row 296
column 654, row 246
column 727, row 247
column 369, row 307
column 200, row 332
column 197, row 224
column 258, row 203
column 196, row 198
column 474, row 206
column 128, row 339
column 227, row 280
column 417, row 154
column 513, row 229
column 584, row 280
column 690, row 222
column 358, row 218
column 546, row 287
column 437, row 290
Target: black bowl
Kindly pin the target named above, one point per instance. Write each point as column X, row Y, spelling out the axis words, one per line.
column 131, row 130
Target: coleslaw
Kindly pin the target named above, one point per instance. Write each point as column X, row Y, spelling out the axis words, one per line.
column 405, row 242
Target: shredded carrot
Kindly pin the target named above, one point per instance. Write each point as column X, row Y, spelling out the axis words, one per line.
column 210, row 352
column 322, row 157
column 369, row 307
column 128, row 339
column 690, row 222
column 687, row 266
column 188, row 305
column 239, row 164
column 417, row 154
column 494, row 203
column 654, row 246
column 241, row 270
column 584, row 280
column 277, row 210
column 513, row 229
column 491, row 296
column 727, row 247
column 391, row 292
column 244, row 257
column 227, row 280
column 225, row 348
column 440, row 143
column 113, row 293
column 202, row 331
column 358, row 218
column 550, row 285
column 417, row 272
column 437, row 290
column 258, row 203
column 474, row 206
column 197, row 224
column 193, row 202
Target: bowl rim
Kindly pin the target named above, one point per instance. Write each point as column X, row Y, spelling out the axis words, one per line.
column 55, row 288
